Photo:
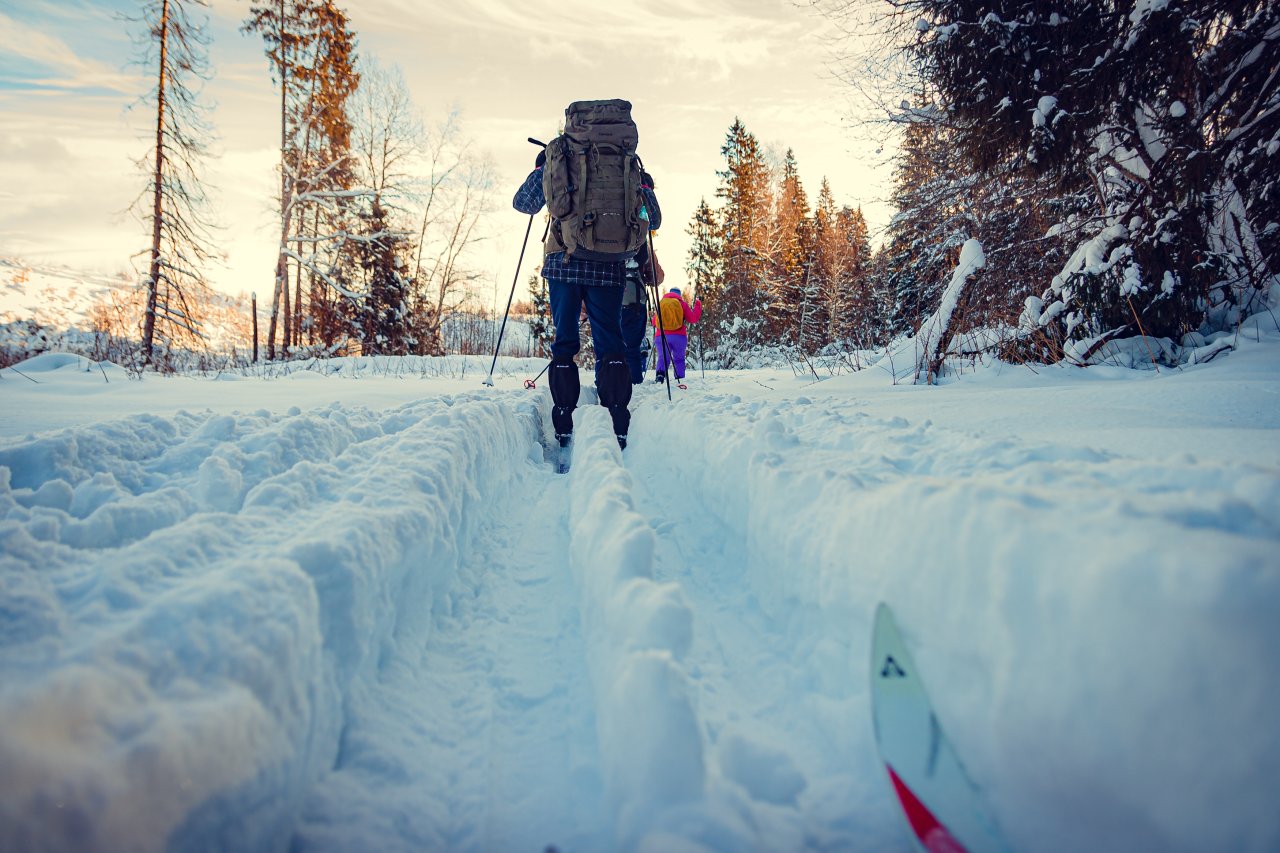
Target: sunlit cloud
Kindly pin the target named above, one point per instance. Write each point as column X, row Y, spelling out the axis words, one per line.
column 52, row 64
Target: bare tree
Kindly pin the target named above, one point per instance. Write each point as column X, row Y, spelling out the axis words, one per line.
column 451, row 228
column 436, row 181
column 386, row 131
column 386, row 151
column 180, row 238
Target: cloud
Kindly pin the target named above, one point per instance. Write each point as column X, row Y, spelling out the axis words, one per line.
column 40, row 151
column 721, row 35
column 54, row 64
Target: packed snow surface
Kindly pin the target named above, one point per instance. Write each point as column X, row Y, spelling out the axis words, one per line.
column 352, row 607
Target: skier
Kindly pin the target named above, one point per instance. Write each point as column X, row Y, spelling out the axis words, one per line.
column 595, row 229
column 635, row 310
column 675, row 315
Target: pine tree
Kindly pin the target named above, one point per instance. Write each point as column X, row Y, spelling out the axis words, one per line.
column 932, row 222
column 384, row 312
column 854, row 317
column 744, row 219
column 541, row 328
column 175, row 285
column 705, row 269
column 792, row 237
column 326, row 172
column 823, row 282
column 280, row 28
column 1167, row 110
column 311, row 50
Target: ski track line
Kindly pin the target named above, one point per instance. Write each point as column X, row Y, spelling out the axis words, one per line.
column 515, row 726
column 765, row 678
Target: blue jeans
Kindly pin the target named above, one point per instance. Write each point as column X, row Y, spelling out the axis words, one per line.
column 604, row 303
column 635, row 322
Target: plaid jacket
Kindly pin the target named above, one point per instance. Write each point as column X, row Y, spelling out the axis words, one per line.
column 530, row 199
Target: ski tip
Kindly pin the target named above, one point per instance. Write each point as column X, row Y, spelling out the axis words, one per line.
column 883, row 611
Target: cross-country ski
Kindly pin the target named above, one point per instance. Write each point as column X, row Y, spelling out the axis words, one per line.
column 943, row 807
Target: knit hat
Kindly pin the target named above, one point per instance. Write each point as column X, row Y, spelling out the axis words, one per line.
column 674, row 290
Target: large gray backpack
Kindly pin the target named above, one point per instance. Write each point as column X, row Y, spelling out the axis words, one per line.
column 591, row 181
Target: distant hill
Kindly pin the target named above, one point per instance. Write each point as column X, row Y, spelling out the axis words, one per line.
column 60, row 298
column 53, row 295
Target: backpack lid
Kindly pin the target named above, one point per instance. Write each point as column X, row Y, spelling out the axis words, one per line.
column 605, row 121
column 590, row 112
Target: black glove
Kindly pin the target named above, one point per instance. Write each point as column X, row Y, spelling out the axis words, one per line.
column 541, row 159
column 647, row 179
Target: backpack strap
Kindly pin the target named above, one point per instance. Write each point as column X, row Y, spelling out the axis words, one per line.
column 629, row 188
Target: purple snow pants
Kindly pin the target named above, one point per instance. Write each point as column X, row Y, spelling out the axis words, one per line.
column 678, row 344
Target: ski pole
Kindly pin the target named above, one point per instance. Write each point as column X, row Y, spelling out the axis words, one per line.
column 657, row 305
column 528, row 229
column 702, row 355
column 533, row 383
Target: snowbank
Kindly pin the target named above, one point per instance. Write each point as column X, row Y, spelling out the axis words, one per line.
column 322, row 612
column 191, row 601
column 1084, row 622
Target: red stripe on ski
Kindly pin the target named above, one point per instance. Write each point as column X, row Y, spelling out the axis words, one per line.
column 932, row 834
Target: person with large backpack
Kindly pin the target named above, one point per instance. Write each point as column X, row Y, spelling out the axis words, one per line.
column 601, row 209
column 672, row 337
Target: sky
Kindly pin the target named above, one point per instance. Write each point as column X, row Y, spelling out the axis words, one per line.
column 72, row 126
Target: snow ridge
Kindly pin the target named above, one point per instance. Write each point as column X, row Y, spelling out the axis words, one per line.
column 637, row 631
column 209, row 600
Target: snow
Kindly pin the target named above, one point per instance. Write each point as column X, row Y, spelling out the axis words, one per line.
column 1045, row 107
column 934, row 329
column 50, row 295
column 357, row 609
column 1091, row 257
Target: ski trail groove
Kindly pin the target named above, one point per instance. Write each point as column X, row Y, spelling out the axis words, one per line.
column 748, row 665
column 493, row 688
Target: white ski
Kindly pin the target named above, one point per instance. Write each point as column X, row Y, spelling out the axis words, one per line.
column 943, row 807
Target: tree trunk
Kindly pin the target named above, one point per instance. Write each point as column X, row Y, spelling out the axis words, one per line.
column 157, row 210
column 281, row 291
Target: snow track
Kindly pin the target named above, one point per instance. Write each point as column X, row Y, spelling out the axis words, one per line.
column 479, row 733
column 789, row 520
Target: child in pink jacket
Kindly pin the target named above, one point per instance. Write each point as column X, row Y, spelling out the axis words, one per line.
column 675, row 315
